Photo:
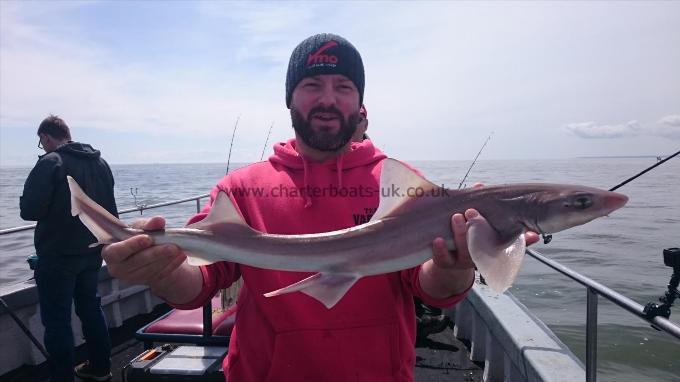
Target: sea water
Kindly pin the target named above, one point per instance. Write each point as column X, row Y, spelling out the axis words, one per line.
column 623, row 251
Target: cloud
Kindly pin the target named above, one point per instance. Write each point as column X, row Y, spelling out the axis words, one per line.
column 590, row 130
column 265, row 32
column 89, row 86
column 128, row 97
column 666, row 127
column 174, row 74
column 669, row 126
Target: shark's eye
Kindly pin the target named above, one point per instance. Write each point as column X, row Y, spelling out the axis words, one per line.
column 583, row 202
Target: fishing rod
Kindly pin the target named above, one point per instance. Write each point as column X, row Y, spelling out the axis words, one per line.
column 548, row 238
column 671, row 257
column 224, row 303
column 140, row 206
column 25, row 329
column 643, row 171
column 475, row 160
column 231, row 145
column 266, row 141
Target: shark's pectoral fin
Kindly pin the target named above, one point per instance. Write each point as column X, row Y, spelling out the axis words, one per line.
column 328, row 288
column 498, row 263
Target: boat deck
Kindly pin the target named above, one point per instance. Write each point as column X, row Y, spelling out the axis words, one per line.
column 443, row 357
column 124, row 348
column 440, row 357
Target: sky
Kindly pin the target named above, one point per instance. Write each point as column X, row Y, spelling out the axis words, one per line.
column 165, row 82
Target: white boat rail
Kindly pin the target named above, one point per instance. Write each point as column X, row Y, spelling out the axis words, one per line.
column 593, row 289
column 139, row 209
column 120, row 301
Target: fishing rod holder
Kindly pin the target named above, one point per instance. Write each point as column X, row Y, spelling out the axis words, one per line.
column 671, row 258
column 140, row 206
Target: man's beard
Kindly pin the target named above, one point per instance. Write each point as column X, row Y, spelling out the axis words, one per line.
column 322, row 140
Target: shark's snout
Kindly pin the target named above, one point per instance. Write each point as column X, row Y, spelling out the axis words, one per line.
column 614, row 201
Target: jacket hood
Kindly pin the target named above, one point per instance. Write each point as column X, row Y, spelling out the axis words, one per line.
column 79, row 149
column 359, row 154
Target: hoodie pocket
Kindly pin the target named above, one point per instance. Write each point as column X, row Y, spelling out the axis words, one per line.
column 367, row 353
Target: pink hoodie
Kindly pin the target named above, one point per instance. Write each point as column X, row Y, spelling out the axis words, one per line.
column 370, row 334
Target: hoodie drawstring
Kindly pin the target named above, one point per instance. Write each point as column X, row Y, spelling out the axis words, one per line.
column 305, row 197
column 338, row 168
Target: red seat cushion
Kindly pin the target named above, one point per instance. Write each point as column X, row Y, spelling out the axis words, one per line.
column 191, row 321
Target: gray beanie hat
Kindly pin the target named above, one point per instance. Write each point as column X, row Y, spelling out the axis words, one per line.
column 324, row 53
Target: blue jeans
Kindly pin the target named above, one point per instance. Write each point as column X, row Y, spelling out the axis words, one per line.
column 60, row 280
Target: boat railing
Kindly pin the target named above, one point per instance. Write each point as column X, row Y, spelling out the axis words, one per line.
column 140, row 209
column 138, row 298
column 593, row 290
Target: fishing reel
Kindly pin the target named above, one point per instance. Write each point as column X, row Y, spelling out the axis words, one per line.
column 671, row 258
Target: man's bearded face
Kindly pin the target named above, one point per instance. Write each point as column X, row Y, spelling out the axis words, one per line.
column 320, row 137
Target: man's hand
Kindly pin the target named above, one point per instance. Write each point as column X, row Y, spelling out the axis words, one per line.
column 137, row 260
column 451, row 272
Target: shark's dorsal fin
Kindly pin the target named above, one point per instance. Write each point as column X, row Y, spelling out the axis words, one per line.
column 396, row 179
column 222, row 212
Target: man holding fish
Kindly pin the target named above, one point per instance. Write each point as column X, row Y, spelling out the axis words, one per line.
column 354, row 319
column 369, row 334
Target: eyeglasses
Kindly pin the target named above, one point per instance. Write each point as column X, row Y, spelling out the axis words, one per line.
column 40, row 146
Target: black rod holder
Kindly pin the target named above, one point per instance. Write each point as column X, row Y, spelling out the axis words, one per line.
column 671, row 258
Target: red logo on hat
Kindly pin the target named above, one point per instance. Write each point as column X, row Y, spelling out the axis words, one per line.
column 319, row 58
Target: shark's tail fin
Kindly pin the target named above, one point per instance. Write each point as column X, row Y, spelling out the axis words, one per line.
column 104, row 226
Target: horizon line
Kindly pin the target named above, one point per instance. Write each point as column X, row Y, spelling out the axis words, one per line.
column 405, row 160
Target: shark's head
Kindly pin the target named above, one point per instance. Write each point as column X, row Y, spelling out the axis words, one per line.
column 562, row 207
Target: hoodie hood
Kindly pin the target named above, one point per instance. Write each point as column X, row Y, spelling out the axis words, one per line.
column 359, row 154
column 83, row 150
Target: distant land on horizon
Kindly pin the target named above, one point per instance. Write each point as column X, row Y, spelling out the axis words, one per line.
column 406, row 160
column 624, row 156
